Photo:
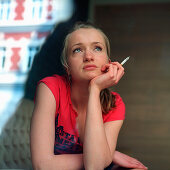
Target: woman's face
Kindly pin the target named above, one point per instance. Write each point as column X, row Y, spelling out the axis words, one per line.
column 86, row 54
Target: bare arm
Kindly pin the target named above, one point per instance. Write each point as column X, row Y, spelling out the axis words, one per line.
column 100, row 140
column 43, row 135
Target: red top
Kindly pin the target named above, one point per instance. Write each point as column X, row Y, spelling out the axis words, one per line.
column 67, row 139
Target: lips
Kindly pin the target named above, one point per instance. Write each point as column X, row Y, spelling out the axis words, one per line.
column 90, row 67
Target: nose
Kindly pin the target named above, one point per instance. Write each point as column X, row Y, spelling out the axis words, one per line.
column 88, row 56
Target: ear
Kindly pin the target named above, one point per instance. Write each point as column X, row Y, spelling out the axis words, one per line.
column 110, row 61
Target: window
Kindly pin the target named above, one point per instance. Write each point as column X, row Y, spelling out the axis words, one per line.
column 2, row 58
column 4, row 9
column 37, row 7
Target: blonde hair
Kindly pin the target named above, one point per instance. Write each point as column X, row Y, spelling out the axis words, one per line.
column 107, row 99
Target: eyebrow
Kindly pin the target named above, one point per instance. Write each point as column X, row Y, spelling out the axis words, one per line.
column 92, row 43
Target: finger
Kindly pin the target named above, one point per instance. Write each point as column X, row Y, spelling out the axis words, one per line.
column 137, row 164
column 141, row 167
column 105, row 67
column 113, row 72
column 135, row 161
column 120, row 71
column 138, row 167
column 118, row 65
column 120, row 68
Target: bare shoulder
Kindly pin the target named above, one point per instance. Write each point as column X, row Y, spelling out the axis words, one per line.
column 44, row 101
column 44, row 95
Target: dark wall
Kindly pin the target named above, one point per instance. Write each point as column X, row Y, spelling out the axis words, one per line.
column 143, row 32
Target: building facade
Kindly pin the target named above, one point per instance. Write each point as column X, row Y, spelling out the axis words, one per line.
column 24, row 25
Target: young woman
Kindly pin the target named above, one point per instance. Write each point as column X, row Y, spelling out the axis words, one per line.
column 76, row 119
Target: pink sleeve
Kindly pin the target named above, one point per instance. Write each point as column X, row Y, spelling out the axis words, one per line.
column 118, row 113
column 53, row 84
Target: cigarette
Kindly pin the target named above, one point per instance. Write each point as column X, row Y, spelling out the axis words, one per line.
column 124, row 61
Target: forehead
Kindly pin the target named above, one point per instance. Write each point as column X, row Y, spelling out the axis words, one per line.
column 86, row 35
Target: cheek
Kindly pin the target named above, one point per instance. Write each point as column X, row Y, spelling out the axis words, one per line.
column 104, row 59
column 73, row 67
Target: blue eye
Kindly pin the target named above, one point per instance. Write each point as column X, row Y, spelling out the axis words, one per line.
column 98, row 49
column 77, row 50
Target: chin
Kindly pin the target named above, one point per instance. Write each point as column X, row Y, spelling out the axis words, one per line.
column 92, row 75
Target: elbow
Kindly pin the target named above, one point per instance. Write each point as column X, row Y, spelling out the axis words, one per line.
column 108, row 161
column 99, row 164
column 38, row 165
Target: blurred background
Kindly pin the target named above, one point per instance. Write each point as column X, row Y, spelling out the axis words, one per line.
column 31, row 38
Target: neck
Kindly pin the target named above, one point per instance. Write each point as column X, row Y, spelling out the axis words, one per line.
column 79, row 96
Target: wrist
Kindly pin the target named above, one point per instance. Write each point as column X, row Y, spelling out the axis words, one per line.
column 93, row 88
